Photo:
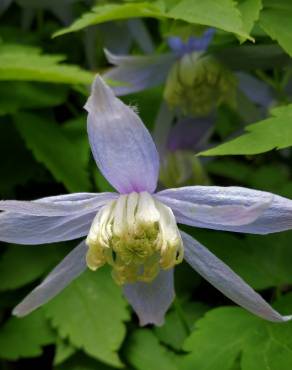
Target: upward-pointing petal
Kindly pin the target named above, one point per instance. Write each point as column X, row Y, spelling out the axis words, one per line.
column 121, row 145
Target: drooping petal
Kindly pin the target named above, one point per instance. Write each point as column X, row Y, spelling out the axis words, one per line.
column 137, row 73
column 61, row 276
column 121, row 145
column 62, row 205
column 229, row 208
column 255, row 89
column 150, row 301
column 190, row 133
column 225, row 280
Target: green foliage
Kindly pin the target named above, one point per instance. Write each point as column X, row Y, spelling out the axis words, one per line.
column 25, row 337
column 24, row 95
column 275, row 19
column 44, row 150
column 263, row 261
column 250, row 11
column 271, row 133
column 260, row 345
column 56, row 150
column 221, row 14
column 20, row 266
column 28, row 64
column 144, row 352
column 91, row 314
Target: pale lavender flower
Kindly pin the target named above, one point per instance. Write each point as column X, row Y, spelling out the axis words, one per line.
column 135, row 230
column 138, row 73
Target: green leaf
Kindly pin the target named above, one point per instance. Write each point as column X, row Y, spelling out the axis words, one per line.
column 91, row 312
column 226, row 333
column 275, row 19
column 22, row 95
column 27, row 63
column 263, row 261
column 15, row 171
column 59, row 152
column 222, row 14
column 22, row 265
column 25, row 337
column 64, row 351
column 145, row 352
column 260, row 137
column 250, row 11
column 112, row 12
column 179, row 322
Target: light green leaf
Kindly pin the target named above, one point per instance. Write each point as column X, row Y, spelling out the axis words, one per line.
column 275, row 19
column 262, row 261
column 91, row 312
column 222, row 14
column 59, row 152
column 22, row 95
column 27, row 63
column 145, row 352
column 179, row 322
column 112, row 12
column 22, row 265
column 250, row 11
column 25, row 337
column 260, row 137
column 64, row 351
column 226, row 333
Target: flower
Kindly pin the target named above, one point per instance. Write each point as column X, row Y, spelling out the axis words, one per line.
column 195, row 81
column 135, row 230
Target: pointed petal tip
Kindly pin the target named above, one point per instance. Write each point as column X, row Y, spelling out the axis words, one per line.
column 99, row 91
column 286, row 318
column 157, row 321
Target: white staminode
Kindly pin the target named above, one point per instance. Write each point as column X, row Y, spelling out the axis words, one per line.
column 137, row 235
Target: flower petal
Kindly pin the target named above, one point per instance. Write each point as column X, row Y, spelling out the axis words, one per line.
column 150, row 301
column 187, row 205
column 121, row 145
column 225, row 280
column 229, row 208
column 62, row 205
column 138, row 73
column 256, row 90
column 61, row 276
column 32, row 230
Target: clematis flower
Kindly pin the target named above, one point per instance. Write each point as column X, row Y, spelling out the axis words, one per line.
column 135, row 229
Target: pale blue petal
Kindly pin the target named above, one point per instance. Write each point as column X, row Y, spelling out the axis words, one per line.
column 62, row 275
column 121, row 145
column 229, row 208
column 225, row 280
column 137, row 73
column 62, row 205
column 33, row 230
column 141, row 35
column 190, row 133
column 256, row 90
column 150, row 301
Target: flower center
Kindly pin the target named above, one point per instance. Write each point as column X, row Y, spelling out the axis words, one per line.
column 137, row 235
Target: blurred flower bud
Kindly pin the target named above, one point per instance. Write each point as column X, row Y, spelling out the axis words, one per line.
column 198, row 84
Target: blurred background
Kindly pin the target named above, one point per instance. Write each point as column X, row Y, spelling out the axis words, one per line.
column 198, row 73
